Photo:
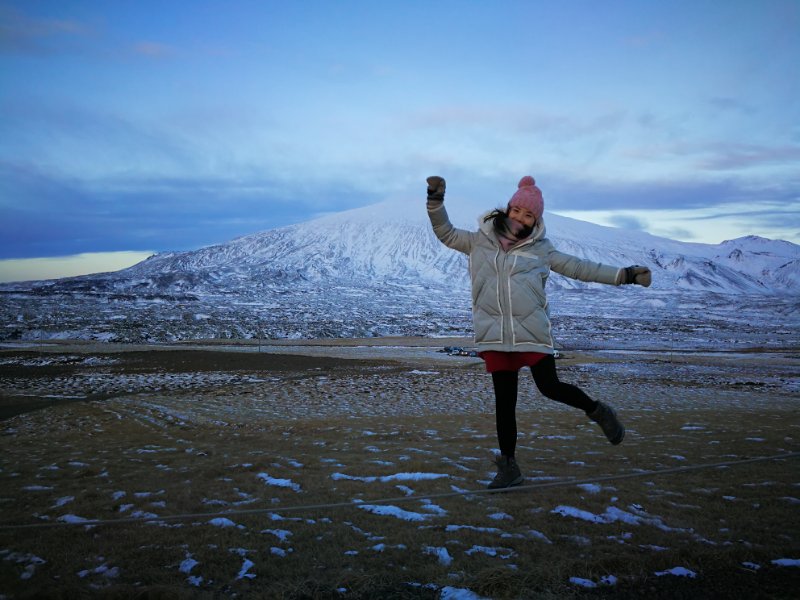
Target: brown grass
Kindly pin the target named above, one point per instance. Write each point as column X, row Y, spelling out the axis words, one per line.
column 200, row 450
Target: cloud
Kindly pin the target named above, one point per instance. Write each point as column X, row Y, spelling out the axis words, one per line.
column 503, row 141
column 727, row 157
column 46, row 214
column 20, row 34
column 516, row 119
column 153, row 50
column 584, row 194
column 84, row 142
column 710, row 224
column 735, row 105
column 628, row 222
column 678, row 233
column 770, row 219
column 27, row 35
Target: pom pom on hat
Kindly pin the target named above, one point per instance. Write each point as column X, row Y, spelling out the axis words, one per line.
column 528, row 196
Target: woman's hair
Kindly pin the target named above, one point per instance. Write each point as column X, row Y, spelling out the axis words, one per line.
column 492, row 216
column 504, row 226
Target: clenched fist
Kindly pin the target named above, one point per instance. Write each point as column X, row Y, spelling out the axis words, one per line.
column 436, row 186
column 638, row 275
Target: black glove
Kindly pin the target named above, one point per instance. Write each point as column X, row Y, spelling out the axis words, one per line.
column 436, row 187
column 638, row 275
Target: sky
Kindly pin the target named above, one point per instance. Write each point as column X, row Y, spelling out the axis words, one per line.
column 134, row 127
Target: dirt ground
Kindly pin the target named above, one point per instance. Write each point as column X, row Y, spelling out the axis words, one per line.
column 83, row 423
column 38, row 376
column 31, row 378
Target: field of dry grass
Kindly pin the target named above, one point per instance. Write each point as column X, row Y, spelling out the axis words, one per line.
column 321, row 466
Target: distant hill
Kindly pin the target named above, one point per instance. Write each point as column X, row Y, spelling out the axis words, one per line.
column 374, row 271
column 391, row 242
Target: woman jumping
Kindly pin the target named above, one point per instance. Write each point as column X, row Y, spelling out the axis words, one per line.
column 509, row 262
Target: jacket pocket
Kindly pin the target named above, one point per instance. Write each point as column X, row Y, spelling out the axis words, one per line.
column 527, row 295
column 486, row 326
column 533, row 327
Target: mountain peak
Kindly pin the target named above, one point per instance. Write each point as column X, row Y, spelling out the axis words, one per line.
column 379, row 270
column 393, row 242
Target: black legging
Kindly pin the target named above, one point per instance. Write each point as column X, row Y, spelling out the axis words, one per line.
column 546, row 379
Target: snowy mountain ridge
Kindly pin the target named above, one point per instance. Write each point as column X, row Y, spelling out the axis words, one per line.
column 380, row 271
column 395, row 243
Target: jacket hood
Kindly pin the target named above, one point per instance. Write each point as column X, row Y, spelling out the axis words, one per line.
column 487, row 227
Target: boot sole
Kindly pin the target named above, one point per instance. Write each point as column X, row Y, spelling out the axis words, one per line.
column 514, row 483
column 617, row 441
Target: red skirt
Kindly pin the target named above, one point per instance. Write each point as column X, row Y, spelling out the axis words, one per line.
column 509, row 361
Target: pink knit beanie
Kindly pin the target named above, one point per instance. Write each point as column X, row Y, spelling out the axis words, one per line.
column 528, row 196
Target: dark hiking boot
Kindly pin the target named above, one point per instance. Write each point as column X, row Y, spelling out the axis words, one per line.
column 508, row 473
column 606, row 417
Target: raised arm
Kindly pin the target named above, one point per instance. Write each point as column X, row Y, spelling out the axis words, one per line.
column 450, row 236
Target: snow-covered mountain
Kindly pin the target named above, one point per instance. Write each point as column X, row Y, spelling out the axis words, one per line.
column 374, row 271
column 394, row 243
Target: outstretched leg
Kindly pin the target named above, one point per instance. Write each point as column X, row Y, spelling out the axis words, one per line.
column 546, row 379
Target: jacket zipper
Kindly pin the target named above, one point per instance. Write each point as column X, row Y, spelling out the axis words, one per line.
column 497, row 269
column 504, row 295
column 510, row 305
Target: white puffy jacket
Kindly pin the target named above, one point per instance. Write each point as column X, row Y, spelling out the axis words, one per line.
column 509, row 305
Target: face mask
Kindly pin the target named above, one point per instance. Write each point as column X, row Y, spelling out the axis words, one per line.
column 509, row 228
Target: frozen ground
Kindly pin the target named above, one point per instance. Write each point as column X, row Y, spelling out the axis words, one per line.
column 598, row 318
column 406, row 378
column 137, row 433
